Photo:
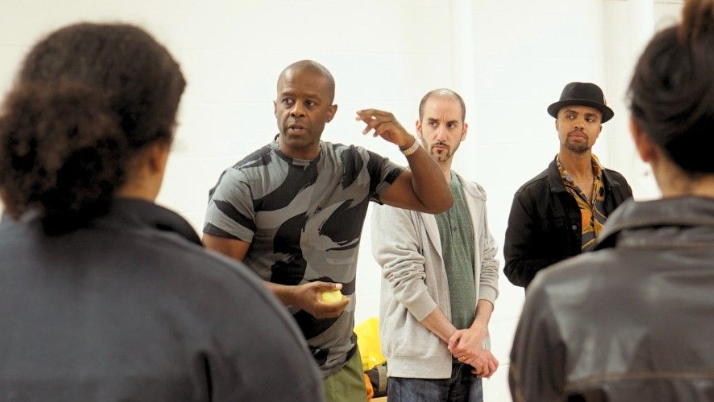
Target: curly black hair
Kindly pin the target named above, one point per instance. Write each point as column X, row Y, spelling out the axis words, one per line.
column 88, row 97
column 672, row 91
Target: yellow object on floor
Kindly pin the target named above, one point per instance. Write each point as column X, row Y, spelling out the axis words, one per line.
column 368, row 343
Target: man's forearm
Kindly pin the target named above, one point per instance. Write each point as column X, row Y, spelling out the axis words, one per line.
column 484, row 308
column 439, row 325
column 428, row 181
column 284, row 293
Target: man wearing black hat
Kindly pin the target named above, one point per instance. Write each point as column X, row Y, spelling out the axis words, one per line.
column 559, row 213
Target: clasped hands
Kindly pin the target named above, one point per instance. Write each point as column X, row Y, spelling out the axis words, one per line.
column 467, row 346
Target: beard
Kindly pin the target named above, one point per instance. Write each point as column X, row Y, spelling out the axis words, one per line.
column 443, row 154
column 578, row 147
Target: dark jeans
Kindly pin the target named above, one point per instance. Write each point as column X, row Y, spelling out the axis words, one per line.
column 461, row 387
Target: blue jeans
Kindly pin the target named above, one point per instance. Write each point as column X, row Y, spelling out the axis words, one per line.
column 461, row 387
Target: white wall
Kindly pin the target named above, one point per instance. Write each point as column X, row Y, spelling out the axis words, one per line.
column 509, row 59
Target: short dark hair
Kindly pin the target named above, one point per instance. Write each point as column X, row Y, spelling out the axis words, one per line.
column 313, row 67
column 442, row 92
column 672, row 91
column 87, row 98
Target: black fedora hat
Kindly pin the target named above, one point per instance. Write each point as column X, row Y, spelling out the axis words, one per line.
column 582, row 94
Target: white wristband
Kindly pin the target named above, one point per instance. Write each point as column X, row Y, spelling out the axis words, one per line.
column 412, row 148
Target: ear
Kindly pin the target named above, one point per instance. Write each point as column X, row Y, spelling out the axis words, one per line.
column 418, row 129
column 158, row 155
column 275, row 108
column 556, row 124
column 465, row 132
column 331, row 113
column 645, row 147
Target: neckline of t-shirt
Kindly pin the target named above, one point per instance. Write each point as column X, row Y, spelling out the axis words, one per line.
column 295, row 161
column 454, row 181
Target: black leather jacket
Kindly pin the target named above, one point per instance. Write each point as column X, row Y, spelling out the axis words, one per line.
column 545, row 227
column 631, row 321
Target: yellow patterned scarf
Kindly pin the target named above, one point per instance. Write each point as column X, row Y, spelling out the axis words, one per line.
column 592, row 210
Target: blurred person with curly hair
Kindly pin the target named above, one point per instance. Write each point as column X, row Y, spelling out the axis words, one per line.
column 104, row 295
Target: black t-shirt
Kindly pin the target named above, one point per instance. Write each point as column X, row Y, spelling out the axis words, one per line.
column 133, row 309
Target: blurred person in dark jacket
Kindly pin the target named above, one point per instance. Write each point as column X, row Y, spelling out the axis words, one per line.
column 105, row 296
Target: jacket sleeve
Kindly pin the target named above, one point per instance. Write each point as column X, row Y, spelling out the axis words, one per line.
column 538, row 355
column 249, row 340
column 519, row 250
column 488, row 284
column 397, row 249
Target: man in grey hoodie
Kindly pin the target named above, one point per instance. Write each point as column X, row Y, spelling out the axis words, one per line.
column 440, row 276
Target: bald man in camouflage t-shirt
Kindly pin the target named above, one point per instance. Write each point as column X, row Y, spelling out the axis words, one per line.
column 293, row 211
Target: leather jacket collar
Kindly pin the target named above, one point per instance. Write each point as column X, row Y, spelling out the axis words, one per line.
column 668, row 220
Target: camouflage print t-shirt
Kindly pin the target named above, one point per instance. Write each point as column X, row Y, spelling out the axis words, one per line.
column 303, row 220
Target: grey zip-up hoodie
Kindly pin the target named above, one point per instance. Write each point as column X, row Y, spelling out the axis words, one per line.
column 408, row 247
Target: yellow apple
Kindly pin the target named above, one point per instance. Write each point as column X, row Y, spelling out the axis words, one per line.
column 331, row 297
